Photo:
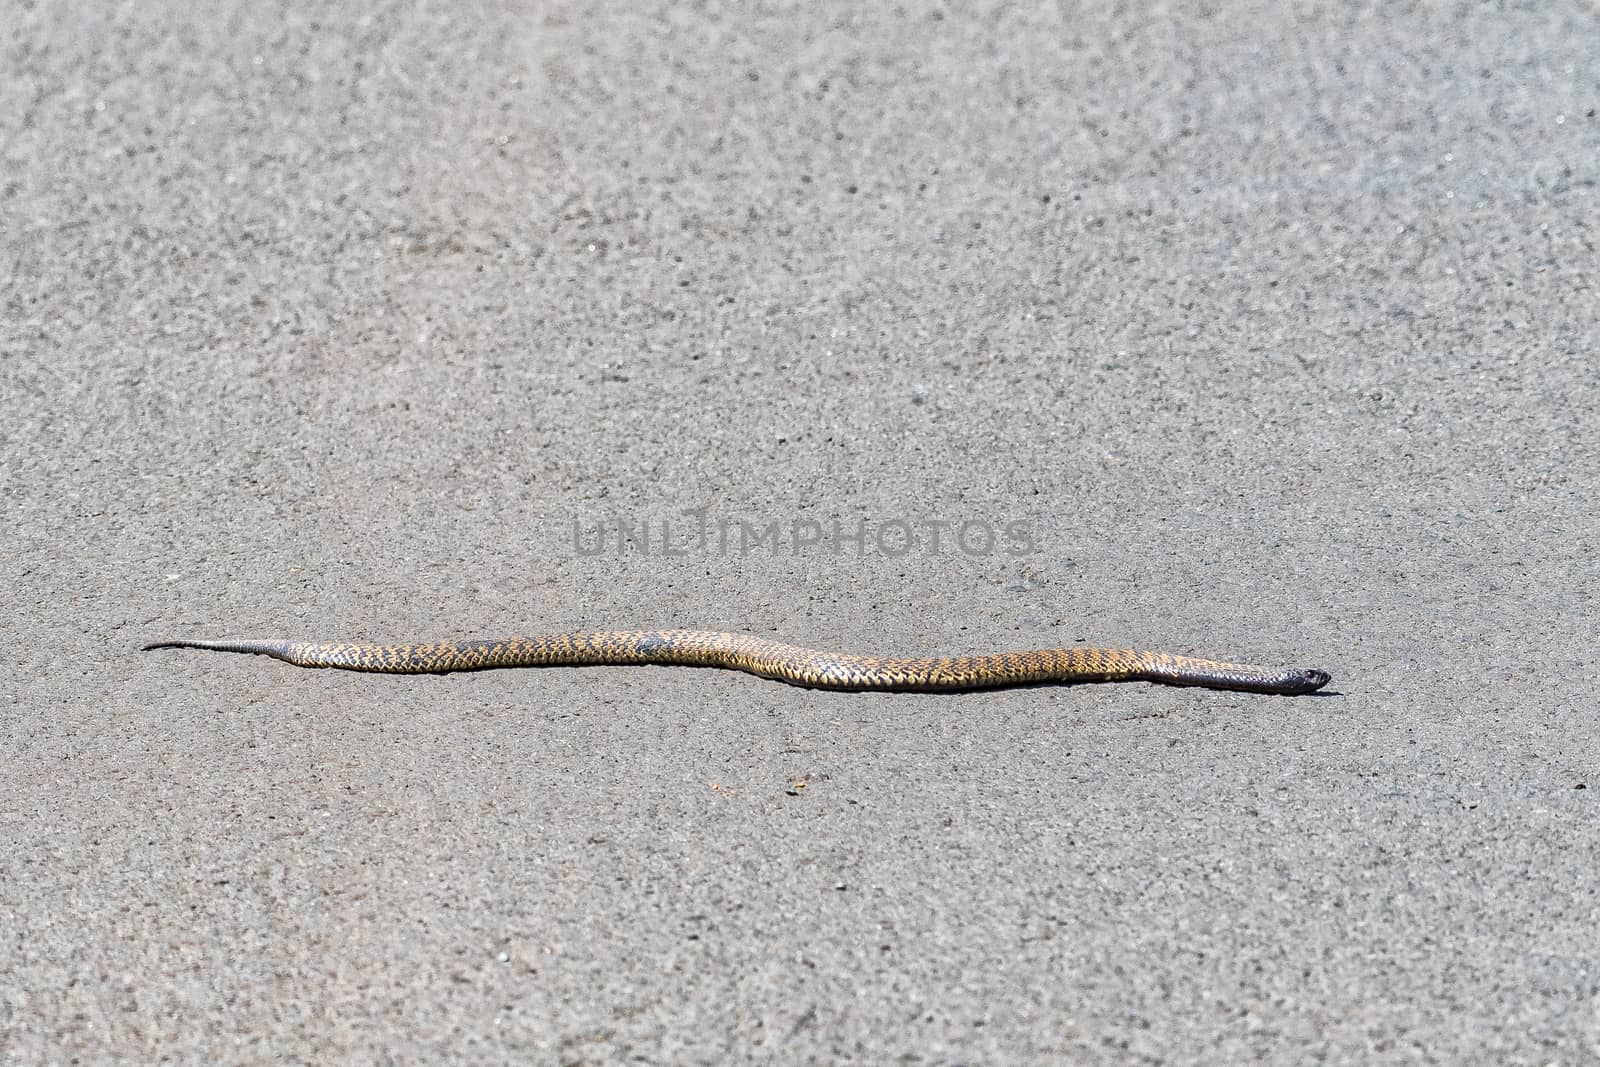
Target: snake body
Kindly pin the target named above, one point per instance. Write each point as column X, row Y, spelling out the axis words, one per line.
column 779, row 661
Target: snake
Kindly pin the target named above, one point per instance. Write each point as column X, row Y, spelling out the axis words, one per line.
column 781, row 662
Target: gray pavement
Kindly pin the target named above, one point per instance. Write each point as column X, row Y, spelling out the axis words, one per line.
column 1263, row 332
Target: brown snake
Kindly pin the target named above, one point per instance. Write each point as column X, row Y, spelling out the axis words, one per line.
column 780, row 662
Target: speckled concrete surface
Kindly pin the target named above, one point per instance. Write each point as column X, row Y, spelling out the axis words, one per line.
column 1272, row 329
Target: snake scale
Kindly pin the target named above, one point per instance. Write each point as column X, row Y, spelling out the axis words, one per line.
column 780, row 662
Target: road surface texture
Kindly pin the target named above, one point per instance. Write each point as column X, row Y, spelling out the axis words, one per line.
column 1265, row 332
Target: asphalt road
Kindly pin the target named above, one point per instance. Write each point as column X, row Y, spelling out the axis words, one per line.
column 1263, row 332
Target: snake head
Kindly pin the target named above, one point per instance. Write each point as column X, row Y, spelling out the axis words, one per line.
column 1312, row 679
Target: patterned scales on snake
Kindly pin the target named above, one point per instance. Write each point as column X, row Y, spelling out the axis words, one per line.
column 781, row 662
